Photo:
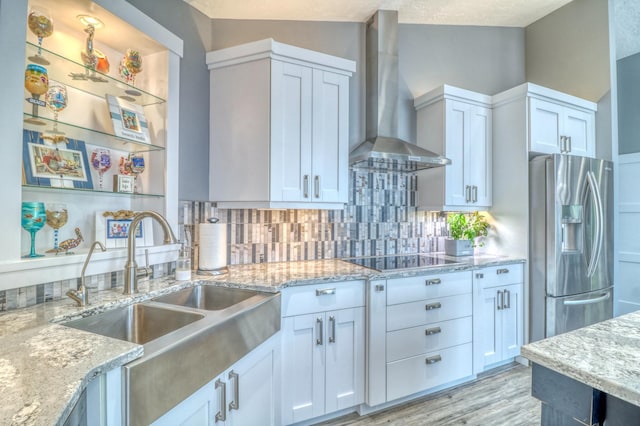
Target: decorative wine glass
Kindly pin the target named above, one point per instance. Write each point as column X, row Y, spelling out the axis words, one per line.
column 36, row 81
column 33, row 219
column 41, row 24
column 131, row 65
column 57, row 217
column 137, row 166
column 101, row 161
column 57, row 100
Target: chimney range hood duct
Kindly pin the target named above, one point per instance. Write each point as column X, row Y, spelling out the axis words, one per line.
column 383, row 150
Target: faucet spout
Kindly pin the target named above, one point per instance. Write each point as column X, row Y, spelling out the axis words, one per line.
column 131, row 267
column 81, row 295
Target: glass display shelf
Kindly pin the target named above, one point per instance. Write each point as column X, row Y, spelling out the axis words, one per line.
column 76, row 75
column 74, row 191
column 90, row 136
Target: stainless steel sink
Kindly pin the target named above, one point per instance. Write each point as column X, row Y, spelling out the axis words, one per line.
column 189, row 337
column 207, row 297
column 137, row 323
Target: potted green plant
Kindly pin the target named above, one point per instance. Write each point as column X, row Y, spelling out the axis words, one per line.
column 463, row 230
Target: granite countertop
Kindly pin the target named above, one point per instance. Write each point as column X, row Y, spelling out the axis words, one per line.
column 44, row 367
column 603, row 356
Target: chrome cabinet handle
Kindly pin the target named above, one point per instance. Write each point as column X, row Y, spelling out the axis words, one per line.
column 475, row 194
column 332, row 337
column 432, row 306
column 479, row 275
column 319, row 331
column 563, row 144
column 379, row 287
column 432, row 331
column 502, row 271
column 499, row 300
column 508, row 304
column 568, row 143
column 433, row 281
column 433, row 359
column 325, row 291
column 316, row 185
column 235, row 404
column 221, row 415
column 305, row 184
column 467, row 193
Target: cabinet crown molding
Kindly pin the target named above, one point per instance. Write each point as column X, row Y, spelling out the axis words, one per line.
column 454, row 93
column 541, row 92
column 269, row 48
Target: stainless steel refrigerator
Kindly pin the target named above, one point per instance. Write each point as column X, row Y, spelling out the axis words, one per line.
column 571, row 243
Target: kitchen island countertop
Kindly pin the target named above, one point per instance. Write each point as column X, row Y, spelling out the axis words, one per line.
column 603, row 356
column 44, row 366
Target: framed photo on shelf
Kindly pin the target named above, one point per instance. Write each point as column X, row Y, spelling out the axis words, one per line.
column 112, row 229
column 60, row 165
column 128, row 120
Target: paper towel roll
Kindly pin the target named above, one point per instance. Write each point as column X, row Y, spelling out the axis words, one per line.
column 213, row 246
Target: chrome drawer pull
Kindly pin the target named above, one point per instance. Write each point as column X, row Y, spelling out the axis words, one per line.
column 221, row 415
column 325, row 291
column 432, row 306
column 379, row 287
column 235, row 404
column 431, row 331
column 433, row 281
column 502, row 271
column 479, row 275
column 319, row 327
column 433, row 359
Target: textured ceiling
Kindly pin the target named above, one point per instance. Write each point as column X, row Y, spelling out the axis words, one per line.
column 503, row 13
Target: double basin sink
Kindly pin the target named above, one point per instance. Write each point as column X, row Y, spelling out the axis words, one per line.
column 189, row 337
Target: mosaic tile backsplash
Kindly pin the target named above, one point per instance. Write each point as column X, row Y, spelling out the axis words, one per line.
column 380, row 218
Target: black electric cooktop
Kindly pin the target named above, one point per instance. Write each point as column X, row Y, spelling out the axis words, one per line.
column 408, row 261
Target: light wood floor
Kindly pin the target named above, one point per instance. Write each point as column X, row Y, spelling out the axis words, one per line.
column 500, row 397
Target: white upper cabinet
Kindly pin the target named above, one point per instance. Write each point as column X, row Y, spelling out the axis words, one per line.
column 456, row 123
column 279, row 127
column 557, row 123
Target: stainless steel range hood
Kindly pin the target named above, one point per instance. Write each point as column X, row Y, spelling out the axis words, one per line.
column 383, row 150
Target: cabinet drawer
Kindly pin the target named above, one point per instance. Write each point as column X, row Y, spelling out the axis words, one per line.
column 428, row 311
column 500, row 275
column 428, row 338
column 322, row 297
column 402, row 290
column 412, row 375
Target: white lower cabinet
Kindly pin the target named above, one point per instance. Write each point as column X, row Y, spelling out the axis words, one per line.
column 498, row 314
column 323, row 350
column 244, row 395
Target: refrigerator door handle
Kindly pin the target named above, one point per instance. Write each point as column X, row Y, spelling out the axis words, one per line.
column 599, row 299
column 597, row 248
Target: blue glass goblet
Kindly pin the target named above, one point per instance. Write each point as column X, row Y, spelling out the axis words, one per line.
column 34, row 217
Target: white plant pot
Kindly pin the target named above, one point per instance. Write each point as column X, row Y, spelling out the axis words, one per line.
column 458, row 247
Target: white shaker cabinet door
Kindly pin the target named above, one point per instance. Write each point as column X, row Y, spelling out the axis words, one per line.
column 544, row 126
column 489, row 338
column 579, row 127
column 303, row 367
column 291, row 107
column 512, row 318
column 456, row 184
column 330, row 147
column 344, row 359
column 197, row 410
column 253, row 389
column 479, row 156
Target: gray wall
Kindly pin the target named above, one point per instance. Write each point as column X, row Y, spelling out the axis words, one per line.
column 568, row 50
column 193, row 27
column 483, row 59
column 629, row 104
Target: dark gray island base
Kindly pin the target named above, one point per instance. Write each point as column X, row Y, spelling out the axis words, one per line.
column 589, row 376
